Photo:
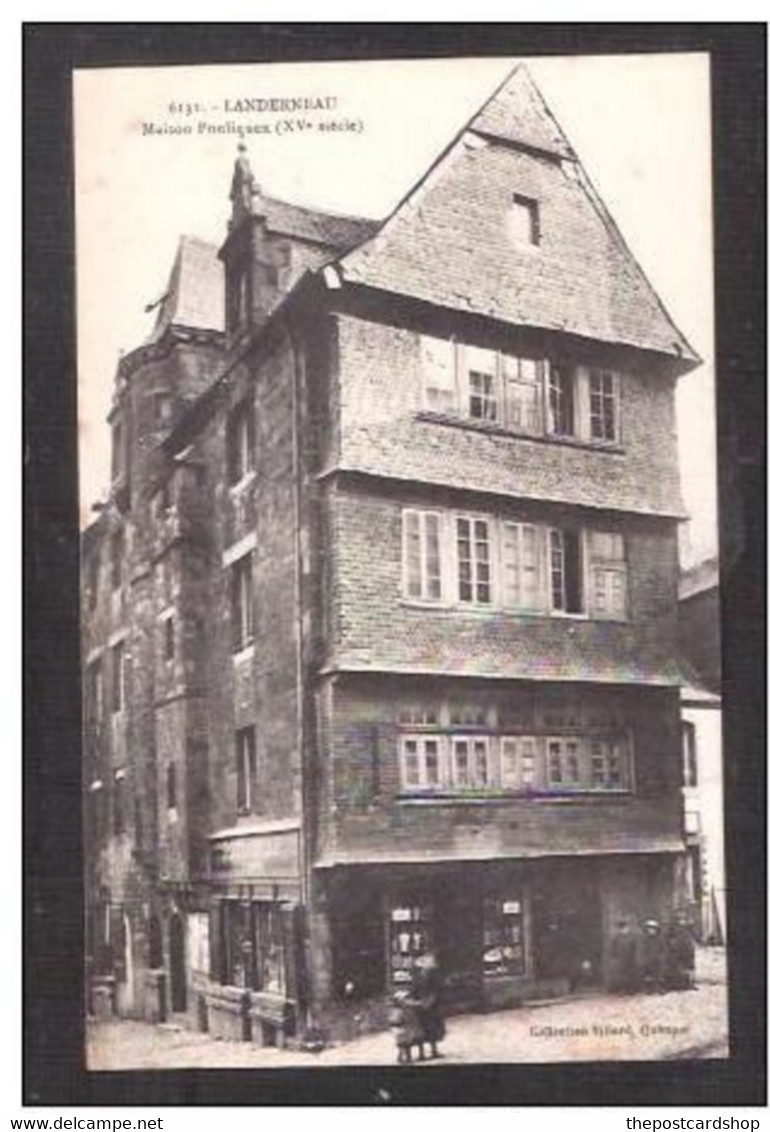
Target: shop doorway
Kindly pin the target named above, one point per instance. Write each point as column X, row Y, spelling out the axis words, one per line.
column 177, row 973
column 567, row 931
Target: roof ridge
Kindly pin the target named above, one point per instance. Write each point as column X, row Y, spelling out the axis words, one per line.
column 334, row 215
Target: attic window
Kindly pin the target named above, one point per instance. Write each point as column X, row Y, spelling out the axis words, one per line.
column 524, row 221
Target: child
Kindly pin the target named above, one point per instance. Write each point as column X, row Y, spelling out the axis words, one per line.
column 404, row 1022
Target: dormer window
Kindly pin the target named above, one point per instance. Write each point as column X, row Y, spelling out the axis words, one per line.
column 524, row 221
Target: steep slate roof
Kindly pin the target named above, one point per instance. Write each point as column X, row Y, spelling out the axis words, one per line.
column 446, row 243
column 332, row 229
column 195, row 297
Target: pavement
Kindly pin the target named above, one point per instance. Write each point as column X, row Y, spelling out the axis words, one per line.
column 677, row 1025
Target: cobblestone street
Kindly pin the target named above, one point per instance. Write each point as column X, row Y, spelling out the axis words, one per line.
column 676, row 1025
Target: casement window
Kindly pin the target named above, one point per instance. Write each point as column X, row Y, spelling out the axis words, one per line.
column 245, row 770
column 118, row 659
column 524, row 221
column 526, row 394
column 518, row 762
column 504, row 943
column 566, row 571
column 474, row 578
column 471, row 768
column 439, row 374
column 603, row 405
column 522, row 569
column 451, row 763
column 563, row 763
column 587, row 764
column 240, row 442
column 608, row 764
column 522, row 384
column 480, row 382
column 607, row 575
column 690, row 750
column 418, row 715
column 561, row 400
column 421, row 763
column 242, row 602
column 117, row 554
column 422, row 555
column 470, row 715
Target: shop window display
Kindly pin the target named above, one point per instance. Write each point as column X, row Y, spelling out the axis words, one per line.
column 411, row 936
column 504, row 953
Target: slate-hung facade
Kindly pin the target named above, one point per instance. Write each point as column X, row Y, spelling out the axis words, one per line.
column 381, row 616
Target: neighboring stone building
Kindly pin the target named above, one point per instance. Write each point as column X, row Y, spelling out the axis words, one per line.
column 701, row 701
column 380, row 620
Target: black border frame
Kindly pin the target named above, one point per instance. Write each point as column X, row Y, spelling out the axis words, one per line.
column 54, row 1071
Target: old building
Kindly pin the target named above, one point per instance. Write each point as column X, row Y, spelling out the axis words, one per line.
column 380, row 617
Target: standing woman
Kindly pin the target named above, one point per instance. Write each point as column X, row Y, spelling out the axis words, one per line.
column 428, row 992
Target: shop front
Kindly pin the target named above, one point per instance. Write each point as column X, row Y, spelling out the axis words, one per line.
column 255, row 987
column 503, row 932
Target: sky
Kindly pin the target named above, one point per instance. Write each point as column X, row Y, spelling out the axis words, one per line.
column 639, row 124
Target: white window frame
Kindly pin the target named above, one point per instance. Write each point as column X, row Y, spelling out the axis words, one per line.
column 427, row 370
column 475, row 781
column 521, row 777
column 422, row 518
column 507, row 382
column 540, row 601
column 555, row 610
column 591, row 373
column 613, row 568
column 421, row 741
column 465, row 355
column 490, row 523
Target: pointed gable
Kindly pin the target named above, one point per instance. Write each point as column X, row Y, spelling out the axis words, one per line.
column 517, row 113
column 459, row 239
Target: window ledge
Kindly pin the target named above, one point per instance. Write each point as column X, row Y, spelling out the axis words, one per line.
column 500, row 611
column 244, row 654
column 498, row 798
column 494, row 429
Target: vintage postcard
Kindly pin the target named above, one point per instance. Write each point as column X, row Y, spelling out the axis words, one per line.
column 400, row 620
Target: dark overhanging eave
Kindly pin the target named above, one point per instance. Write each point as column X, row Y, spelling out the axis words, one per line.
column 676, row 362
